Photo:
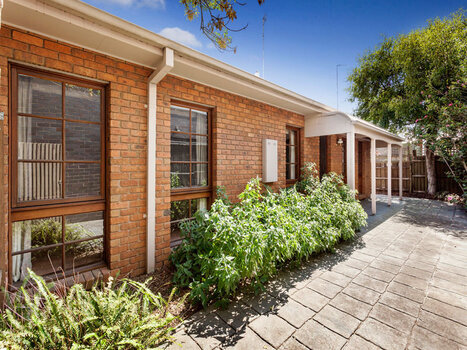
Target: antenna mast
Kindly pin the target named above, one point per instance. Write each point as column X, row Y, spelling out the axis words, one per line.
column 337, row 84
column 264, row 21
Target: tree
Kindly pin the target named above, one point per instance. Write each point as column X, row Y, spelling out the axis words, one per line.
column 417, row 83
column 216, row 17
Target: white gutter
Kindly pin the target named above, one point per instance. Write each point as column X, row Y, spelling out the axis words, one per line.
column 1, row 7
column 161, row 71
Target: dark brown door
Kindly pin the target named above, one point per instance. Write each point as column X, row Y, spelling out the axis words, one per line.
column 323, row 155
column 360, row 167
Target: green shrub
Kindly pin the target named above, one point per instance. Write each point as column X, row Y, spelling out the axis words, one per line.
column 127, row 316
column 249, row 241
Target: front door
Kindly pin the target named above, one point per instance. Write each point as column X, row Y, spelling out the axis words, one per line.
column 360, row 167
column 323, row 155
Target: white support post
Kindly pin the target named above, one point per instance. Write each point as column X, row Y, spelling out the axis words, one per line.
column 350, row 149
column 373, row 175
column 400, row 172
column 389, row 174
column 160, row 72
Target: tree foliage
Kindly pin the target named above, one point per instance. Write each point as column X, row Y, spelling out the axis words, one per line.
column 216, row 17
column 417, row 83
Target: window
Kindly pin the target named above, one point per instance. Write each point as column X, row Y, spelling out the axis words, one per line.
column 57, row 176
column 292, row 154
column 190, row 155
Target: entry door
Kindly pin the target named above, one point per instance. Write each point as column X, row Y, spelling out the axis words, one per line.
column 360, row 167
column 323, row 155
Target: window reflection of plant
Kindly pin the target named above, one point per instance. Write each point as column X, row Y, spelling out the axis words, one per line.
column 49, row 232
column 175, row 180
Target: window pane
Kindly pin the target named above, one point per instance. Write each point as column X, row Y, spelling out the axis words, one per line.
column 179, row 175
column 82, row 103
column 39, row 181
column 179, row 210
column 82, row 180
column 199, row 148
column 287, row 172
column 85, row 225
column 179, row 147
column 179, row 119
column 292, row 171
column 287, row 137
column 84, row 253
column 292, row 137
column 198, row 204
column 39, row 96
column 83, row 141
column 39, row 139
column 291, row 158
column 42, row 262
column 199, row 175
column 36, row 233
column 199, row 122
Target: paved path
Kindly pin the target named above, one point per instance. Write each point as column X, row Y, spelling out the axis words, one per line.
column 401, row 285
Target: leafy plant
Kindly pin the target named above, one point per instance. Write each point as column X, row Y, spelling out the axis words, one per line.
column 249, row 241
column 111, row 316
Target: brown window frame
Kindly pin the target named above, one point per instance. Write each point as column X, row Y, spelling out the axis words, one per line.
column 39, row 209
column 297, row 146
column 188, row 193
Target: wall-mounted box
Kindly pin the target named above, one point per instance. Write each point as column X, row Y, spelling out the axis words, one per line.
column 269, row 160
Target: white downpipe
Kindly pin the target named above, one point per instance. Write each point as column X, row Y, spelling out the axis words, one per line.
column 1, row 8
column 161, row 71
column 389, row 174
column 350, row 144
column 373, row 176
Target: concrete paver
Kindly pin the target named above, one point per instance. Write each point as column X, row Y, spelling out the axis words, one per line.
column 401, row 284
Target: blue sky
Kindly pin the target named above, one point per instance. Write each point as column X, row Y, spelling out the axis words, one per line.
column 304, row 39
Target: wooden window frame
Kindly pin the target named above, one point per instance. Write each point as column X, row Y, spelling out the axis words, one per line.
column 184, row 193
column 39, row 209
column 298, row 147
column 189, row 193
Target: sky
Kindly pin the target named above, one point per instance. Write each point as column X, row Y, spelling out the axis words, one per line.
column 304, row 39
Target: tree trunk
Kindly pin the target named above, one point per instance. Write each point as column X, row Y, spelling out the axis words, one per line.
column 430, row 171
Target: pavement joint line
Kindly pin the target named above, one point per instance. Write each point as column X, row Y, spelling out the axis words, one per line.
column 385, row 290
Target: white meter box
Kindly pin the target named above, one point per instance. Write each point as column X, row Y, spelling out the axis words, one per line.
column 269, row 160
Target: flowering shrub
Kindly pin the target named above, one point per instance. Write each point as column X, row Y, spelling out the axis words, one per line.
column 251, row 240
column 453, row 198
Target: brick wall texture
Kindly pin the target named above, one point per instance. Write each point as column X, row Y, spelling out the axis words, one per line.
column 239, row 125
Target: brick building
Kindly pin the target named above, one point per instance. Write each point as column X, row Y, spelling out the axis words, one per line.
column 113, row 134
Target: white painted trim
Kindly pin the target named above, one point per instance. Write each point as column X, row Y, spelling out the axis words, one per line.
column 373, row 175
column 389, row 165
column 163, row 68
column 1, row 8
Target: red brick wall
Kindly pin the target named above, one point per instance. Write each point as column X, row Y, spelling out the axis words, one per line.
column 335, row 155
column 239, row 125
column 126, row 97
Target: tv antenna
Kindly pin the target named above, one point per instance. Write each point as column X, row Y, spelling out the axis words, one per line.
column 264, row 21
column 337, row 84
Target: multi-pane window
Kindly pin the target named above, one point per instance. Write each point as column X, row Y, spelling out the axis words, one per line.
column 190, row 163
column 292, row 154
column 58, row 154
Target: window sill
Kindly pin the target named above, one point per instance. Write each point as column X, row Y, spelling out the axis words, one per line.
column 87, row 276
